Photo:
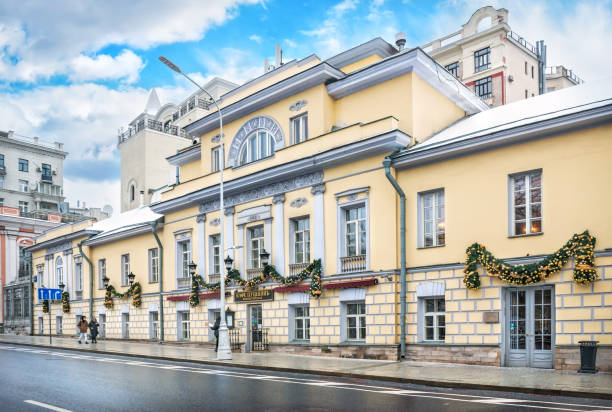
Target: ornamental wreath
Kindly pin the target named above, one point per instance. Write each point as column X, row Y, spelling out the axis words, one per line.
column 312, row 271
column 65, row 302
column 580, row 246
column 135, row 291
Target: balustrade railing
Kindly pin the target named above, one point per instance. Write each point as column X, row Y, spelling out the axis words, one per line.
column 295, row 268
column 254, row 273
column 183, row 283
column 353, row 263
column 234, row 335
column 151, row 125
column 214, row 278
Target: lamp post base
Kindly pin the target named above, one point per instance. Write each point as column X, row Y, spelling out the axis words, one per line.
column 224, row 351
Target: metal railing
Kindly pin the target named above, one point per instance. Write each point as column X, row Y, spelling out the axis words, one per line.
column 151, row 125
column 259, row 340
column 234, row 335
column 561, row 70
column 295, row 268
column 46, row 178
column 254, row 273
column 520, row 40
column 352, row 263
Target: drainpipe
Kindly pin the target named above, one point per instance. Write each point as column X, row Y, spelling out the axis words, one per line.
column 91, row 277
column 400, row 192
column 161, row 281
column 31, row 294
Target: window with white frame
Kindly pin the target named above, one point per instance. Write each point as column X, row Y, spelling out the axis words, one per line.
column 301, row 320
column 355, row 321
column 215, row 254
column 299, row 128
column 59, row 271
column 23, row 185
column 355, row 231
column 215, row 159
column 153, row 265
column 256, row 246
column 432, row 225
column 258, row 145
column 125, row 269
column 78, row 276
column 59, row 329
column 526, row 203
column 301, row 240
column 23, row 207
column 184, row 326
column 23, row 165
column 125, row 323
column 101, row 273
column 434, row 325
column 184, row 258
column 154, row 325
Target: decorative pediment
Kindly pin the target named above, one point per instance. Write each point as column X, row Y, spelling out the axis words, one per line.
column 256, row 123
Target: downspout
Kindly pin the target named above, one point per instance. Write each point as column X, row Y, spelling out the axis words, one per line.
column 400, row 192
column 161, row 281
column 31, row 294
column 91, row 278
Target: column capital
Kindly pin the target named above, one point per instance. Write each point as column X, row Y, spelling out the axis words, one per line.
column 229, row 211
column 278, row 198
column 201, row 218
column 318, row 189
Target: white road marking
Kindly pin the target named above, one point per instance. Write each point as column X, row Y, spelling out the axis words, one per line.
column 47, row 406
column 457, row 397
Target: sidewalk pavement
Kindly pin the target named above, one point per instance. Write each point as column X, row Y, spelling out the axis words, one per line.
column 526, row 380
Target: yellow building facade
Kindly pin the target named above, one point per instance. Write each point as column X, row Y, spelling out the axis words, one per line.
column 305, row 181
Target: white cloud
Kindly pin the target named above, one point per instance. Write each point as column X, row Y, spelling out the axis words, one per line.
column 126, row 65
column 290, row 43
column 106, row 193
column 235, row 65
column 255, row 38
column 42, row 39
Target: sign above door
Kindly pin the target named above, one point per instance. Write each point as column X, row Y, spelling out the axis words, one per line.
column 253, row 295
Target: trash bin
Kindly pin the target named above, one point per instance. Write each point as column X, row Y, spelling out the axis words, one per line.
column 588, row 356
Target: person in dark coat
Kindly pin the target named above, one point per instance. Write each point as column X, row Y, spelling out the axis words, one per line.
column 82, row 325
column 93, row 328
column 215, row 328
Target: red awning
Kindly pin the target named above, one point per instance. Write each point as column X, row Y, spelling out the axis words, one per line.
column 294, row 288
column 212, row 295
column 352, row 284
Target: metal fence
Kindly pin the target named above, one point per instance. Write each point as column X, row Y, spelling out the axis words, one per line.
column 259, row 340
column 234, row 335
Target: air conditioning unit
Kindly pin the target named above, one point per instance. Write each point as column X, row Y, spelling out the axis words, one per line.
column 38, row 169
column 54, row 173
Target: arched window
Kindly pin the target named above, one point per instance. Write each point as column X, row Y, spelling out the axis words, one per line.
column 59, row 271
column 257, row 145
column 132, row 193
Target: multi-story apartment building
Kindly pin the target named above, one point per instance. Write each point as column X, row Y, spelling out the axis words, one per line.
column 155, row 134
column 498, row 64
column 355, row 190
column 559, row 77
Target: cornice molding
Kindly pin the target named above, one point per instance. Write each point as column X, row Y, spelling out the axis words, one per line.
column 61, row 239
column 124, row 234
column 375, row 46
column 187, row 156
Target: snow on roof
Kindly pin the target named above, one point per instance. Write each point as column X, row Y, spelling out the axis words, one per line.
column 544, row 107
column 126, row 220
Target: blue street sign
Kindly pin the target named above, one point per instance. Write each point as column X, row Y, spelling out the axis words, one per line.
column 49, row 294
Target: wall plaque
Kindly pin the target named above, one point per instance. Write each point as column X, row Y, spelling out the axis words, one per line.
column 490, row 317
column 253, row 295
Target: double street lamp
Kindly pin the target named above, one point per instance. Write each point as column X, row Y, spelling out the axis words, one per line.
column 224, row 351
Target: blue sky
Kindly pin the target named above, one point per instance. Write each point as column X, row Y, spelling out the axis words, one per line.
column 76, row 71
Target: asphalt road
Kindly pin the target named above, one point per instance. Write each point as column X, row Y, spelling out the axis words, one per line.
column 34, row 379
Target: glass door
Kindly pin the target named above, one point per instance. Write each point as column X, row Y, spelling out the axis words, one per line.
column 528, row 329
column 256, row 325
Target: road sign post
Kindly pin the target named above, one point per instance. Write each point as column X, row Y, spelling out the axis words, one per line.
column 50, row 295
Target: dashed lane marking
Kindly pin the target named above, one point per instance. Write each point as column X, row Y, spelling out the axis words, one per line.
column 47, row 406
column 450, row 396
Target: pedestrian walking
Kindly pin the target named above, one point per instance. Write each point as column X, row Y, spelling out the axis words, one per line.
column 93, row 330
column 82, row 325
column 215, row 328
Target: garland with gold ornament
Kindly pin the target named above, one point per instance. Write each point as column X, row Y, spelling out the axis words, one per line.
column 135, row 291
column 65, row 302
column 580, row 246
column 313, row 271
column 45, row 306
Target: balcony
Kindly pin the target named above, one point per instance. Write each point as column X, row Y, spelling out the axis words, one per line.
column 151, row 125
column 214, row 278
column 183, row 283
column 295, row 268
column 353, row 263
column 46, row 178
column 24, row 270
column 254, row 273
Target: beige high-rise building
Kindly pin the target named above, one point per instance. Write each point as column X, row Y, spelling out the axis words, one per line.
column 155, row 134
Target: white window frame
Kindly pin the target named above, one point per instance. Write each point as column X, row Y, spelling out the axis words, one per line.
column 78, row 276
column 125, row 268
column 259, row 151
column 59, row 271
column 341, row 224
column 215, row 161
column 357, row 317
column 184, row 326
column 294, row 232
column 125, row 325
column 102, row 322
column 215, row 251
column 438, row 206
column 305, row 319
column 183, row 257
column 153, row 265
column 154, row 325
column 261, row 241
column 529, row 219
column 23, row 206
column 59, row 325
column 436, row 315
column 101, row 273
column 299, row 128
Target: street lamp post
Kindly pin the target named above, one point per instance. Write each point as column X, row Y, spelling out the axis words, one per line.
column 224, row 351
column 131, row 277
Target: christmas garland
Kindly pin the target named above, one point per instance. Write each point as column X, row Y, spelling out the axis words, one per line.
column 135, row 290
column 45, row 306
column 65, row 302
column 312, row 271
column 580, row 246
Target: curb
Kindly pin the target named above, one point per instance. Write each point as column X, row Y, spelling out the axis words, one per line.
column 426, row 382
